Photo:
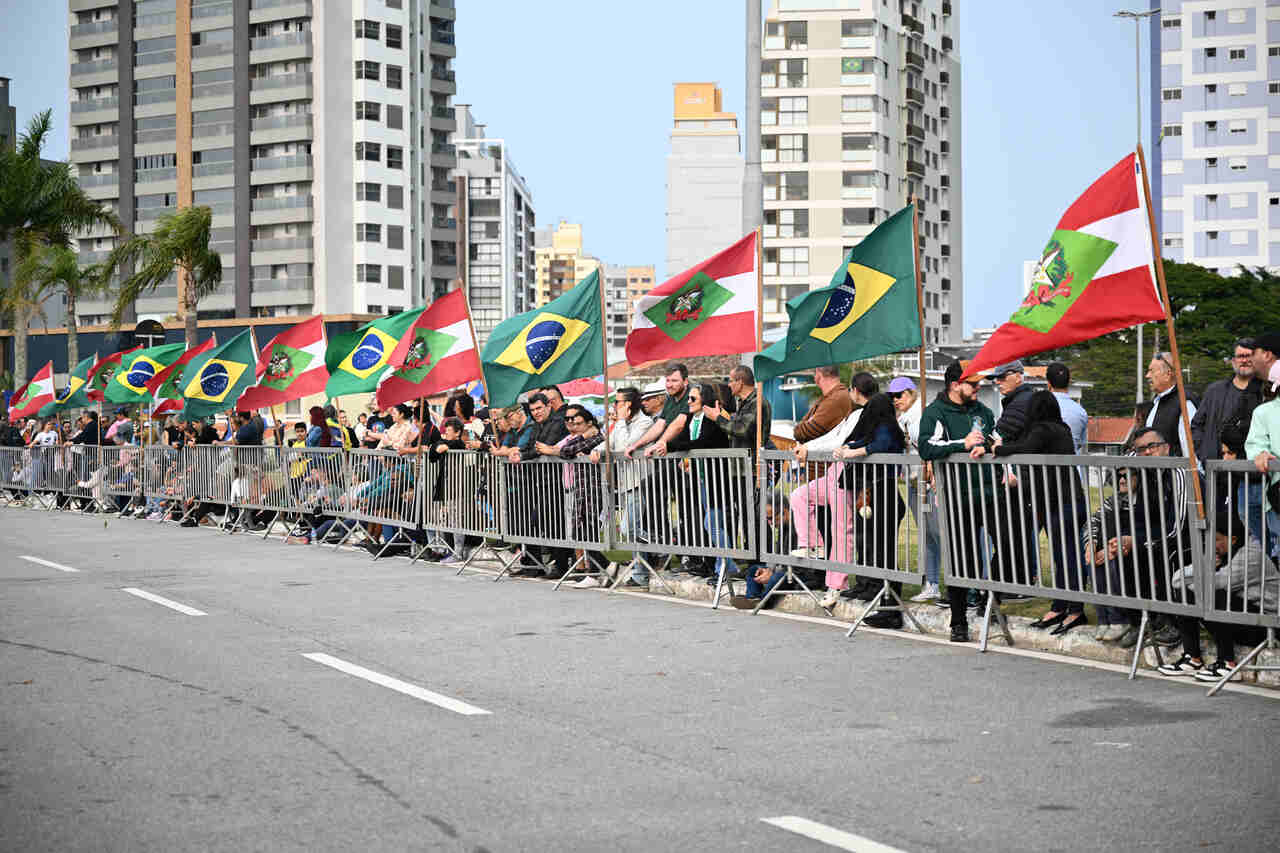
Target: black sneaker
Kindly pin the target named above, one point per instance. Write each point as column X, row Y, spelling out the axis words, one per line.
column 1182, row 666
column 960, row 633
column 1216, row 671
column 890, row 619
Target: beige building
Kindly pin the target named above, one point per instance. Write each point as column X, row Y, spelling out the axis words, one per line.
column 860, row 111
column 623, row 287
column 562, row 264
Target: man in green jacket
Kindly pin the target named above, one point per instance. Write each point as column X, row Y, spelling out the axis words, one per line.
column 956, row 422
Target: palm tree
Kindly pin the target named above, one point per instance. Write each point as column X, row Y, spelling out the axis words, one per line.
column 180, row 241
column 40, row 205
column 55, row 268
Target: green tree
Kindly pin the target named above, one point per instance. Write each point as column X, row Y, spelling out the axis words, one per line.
column 54, row 269
column 180, row 242
column 40, row 205
column 1210, row 313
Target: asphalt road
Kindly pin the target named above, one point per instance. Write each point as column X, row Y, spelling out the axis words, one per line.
column 614, row 722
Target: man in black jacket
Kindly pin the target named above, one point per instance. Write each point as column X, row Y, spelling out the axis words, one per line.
column 542, row 488
column 10, row 436
column 1166, row 412
column 1013, row 524
column 1227, row 401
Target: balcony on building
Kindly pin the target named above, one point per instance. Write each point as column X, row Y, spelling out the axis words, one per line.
column 915, row 131
column 947, row 44
column 914, row 60
column 912, row 23
column 287, row 168
column 914, row 96
column 95, row 110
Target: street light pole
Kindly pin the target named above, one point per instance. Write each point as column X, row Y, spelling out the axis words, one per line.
column 1138, row 18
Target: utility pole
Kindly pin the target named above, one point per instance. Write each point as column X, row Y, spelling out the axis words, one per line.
column 1138, row 18
column 752, row 179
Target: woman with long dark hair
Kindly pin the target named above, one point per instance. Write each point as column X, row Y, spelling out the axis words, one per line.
column 1054, row 501
column 707, row 481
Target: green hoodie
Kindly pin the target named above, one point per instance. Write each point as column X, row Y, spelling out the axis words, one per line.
column 943, row 427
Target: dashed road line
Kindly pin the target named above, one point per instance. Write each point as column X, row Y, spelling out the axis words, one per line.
column 437, row 699
column 48, row 563
column 164, row 602
column 829, row 835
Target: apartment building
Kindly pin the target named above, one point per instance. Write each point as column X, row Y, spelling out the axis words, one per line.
column 317, row 132
column 860, row 112
column 704, row 178
column 8, row 141
column 560, row 262
column 623, row 286
column 1215, row 84
column 496, row 224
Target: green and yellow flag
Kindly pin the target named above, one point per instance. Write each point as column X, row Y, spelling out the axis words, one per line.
column 74, row 395
column 216, row 379
column 129, row 383
column 357, row 360
column 869, row 309
column 546, row 346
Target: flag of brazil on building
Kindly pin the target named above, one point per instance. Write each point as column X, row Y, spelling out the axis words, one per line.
column 546, row 346
column 868, row 310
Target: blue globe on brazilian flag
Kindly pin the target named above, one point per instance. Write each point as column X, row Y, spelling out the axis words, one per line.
column 546, row 346
column 214, row 380
column 129, row 383
column 357, row 360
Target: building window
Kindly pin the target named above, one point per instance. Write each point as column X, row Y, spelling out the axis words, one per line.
column 395, row 117
column 394, row 37
column 367, row 29
column 786, row 35
column 368, row 232
column 1238, row 164
column 1238, row 126
column 1171, row 23
column 369, row 273
column 368, row 192
column 787, row 261
column 787, row 148
column 1239, row 238
column 853, row 182
column 1273, row 88
column 1236, row 53
column 1273, row 50
column 857, row 217
column 852, row 105
column 853, row 66
column 786, row 186
column 395, row 197
column 855, row 146
column 368, row 111
column 784, row 111
column 1171, row 94
column 369, row 151
column 366, row 70
column 395, row 236
column 395, row 157
column 784, row 73
column 786, row 223
column 394, row 75
column 1171, row 130
column 395, row 277
column 854, row 33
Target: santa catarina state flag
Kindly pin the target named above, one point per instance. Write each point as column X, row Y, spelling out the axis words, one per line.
column 73, row 396
column 1094, row 276
column 32, row 397
column 129, row 383
column 707, row 310
column 290, row 366
column 166, row 386
column 356, row 360
column 103, row 370
column 560, row 341
column 869, row 309
column 441, row 354
column 217, row 378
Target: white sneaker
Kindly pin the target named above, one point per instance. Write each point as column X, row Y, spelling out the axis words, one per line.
column 587, row 583
column 811, row 552
column 829, row 600
column 1108, row 633
column 930, row 592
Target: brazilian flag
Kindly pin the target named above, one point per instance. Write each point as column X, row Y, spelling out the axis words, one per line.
column 558, row 342
column 869, row 309
column 357, row 360
column 216, row 378
column 73, row 396
column 129, row 383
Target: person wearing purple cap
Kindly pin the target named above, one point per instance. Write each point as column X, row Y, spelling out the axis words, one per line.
column 906, row 399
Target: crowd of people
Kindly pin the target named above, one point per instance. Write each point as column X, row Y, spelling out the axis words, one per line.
column 843, row 499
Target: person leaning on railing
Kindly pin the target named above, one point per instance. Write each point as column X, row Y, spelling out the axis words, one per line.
column 1055, row 500
column 585, row 483
column 544, row 491
column 627, row 424
column 1262, row 445
column 957, row 423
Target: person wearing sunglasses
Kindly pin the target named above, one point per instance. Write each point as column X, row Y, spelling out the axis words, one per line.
column 1166, row 410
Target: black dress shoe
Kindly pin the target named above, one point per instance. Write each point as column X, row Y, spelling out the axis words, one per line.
column 960, row 633
column 1080, row 619
column 890, row 619
column 1050, row 621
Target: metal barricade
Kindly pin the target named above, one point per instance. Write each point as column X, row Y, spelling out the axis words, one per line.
column 206, row 479
column 463, row 494
column 259, row 488
column 121, row 476
column 318, row 492
column 161, row 480
column 1240, row 585
column 383, row 489
column 1050, row 526
column 15, row 474
column 848, row 516
column 697, row 503
column 558, row 505
column 75, row 472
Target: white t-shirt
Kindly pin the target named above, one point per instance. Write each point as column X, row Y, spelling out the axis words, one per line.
column 46, row 438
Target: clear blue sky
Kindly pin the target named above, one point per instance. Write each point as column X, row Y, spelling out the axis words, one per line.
column 583, row 97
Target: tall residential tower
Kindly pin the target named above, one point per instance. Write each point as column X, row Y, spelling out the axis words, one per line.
column 860, row 111
column 316, row 131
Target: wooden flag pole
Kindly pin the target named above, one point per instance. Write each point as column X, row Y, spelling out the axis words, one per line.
column 915, row 263
column 1173, row 339
column 279, row 426
column 759, row 348
column 604, row 376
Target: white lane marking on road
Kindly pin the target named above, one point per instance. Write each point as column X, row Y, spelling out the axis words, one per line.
column 1116, row 744
column 51, row 565
column 437, row 699
column 829, row 835
column 164, row 602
